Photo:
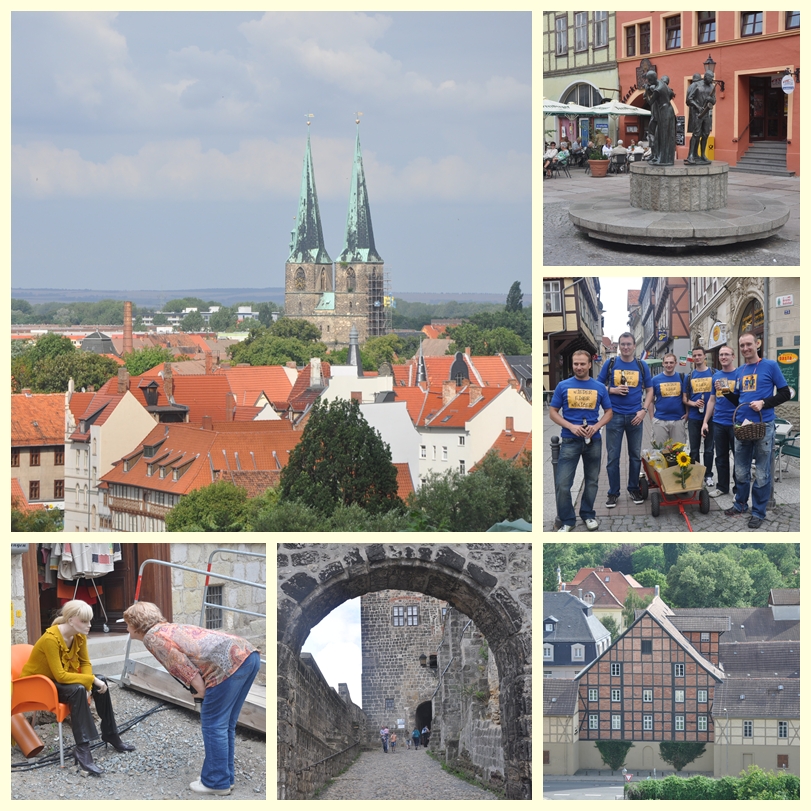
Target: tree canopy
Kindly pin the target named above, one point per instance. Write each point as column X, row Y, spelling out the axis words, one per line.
column 515, row 298
column 193, row 322
column 698, row 580
column 141, row 360
column 220, row 507
column 340, row 459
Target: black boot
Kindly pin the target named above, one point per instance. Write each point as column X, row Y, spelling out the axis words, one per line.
column 115, row 741
column 83, row 758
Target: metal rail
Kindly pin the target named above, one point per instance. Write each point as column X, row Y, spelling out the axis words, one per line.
column 196, row 571
column 205, row 587
column 329, row 757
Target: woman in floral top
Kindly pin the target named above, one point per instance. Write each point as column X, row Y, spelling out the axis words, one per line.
column 219, row 668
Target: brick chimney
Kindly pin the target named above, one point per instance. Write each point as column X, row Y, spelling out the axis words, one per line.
column 475, row 393
column 127, row 327
column 448, row 391
column 510, row 425
column 230, row 406
column 168, row 382
column 467, row 351
column 207, row 423
column 356, row 395
column 123, row 380
column 209, row 363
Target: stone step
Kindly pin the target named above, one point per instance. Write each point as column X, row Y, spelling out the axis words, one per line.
column 768, row 163
column 768, row 145
column 760, row 170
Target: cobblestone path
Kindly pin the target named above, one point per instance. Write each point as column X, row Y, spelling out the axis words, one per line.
column 400, row 775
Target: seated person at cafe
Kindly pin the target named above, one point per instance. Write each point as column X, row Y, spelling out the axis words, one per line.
column 607, row 148
column 549, row 157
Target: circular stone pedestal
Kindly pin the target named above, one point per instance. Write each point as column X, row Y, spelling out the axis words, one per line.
column 741, row 217
column 679, row 188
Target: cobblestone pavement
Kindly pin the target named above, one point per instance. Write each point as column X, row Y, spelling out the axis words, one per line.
column 630, row 517
column 401, row 775
column 563, row 244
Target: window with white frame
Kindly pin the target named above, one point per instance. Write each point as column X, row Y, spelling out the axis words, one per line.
column 462, row 466
column 702, row 723
column 593, row 694
column 581, row 31
column 679, row 723
column 461, row 441
column 561, row 38
column 747, row 729
column 705, row 636
column 444, row 453
column 548, row 653
column 616, row 722
column 678, row 669
column 600, row 29
column 549, row 627
column 702, row 697
column 647, row 696
column 423, row 452
column 782, row 729
column 679, row 696
column 433, row 454
column 647, row 722
column 616, row 695
column 593, row 721
column 551, row 300
column 578, row 653
column 616, row 668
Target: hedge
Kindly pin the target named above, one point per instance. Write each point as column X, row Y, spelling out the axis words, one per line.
column 753, row 784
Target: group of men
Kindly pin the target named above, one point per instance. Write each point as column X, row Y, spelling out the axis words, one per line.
column 702, row 405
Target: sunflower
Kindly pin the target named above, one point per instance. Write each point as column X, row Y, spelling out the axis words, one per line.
column 683, row 459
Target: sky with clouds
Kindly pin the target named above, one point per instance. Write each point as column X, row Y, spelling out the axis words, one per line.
column 336, row 647
column 164, row 149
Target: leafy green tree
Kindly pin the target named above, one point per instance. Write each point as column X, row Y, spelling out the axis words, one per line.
column 298, row 328
column 708, row 580
column 268, row 350
column 610, row 624
column 160, row 320
column 648, row 556
column 223, row 320
column 679, row 753
column 619, row 559
column 266, row 310
column 340, row 459
column 192, row 322
column 672, row 552
column 633, row 603
column 142, row 359
column 220, row 507
column 765, row 575
column 486, row 341
column 35, row 520
column 21, row 304
column 50, row 345
column 613, row 753
column 515, row 298
column 177, row 305
column 86, row 368
column 571, row 558
column 382, row 349
column 650, row 578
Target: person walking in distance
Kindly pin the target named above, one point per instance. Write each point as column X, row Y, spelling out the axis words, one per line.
column 575, row 406
column 415, row 736
column 669, row 413
column 629, row 383
column 697, row 391
column 384, row 737
column 425, row 733
column 718, row 419
column 757, row 380
column 393, row 741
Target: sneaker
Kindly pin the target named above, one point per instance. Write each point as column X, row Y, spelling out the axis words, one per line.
column 733, row 511
column 636, row 496
column 566, row 528
column 592, row 524
column 709, row 482
column 611, row 501
column 754, row 522
column 198, row 787
column 715, row 493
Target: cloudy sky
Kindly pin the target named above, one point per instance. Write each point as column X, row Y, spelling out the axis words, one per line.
column 164, row 150
column 335, row 646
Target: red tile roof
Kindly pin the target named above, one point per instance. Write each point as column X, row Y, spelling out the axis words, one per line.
column 301, row 395
column 98, row 411
column 614, row 591
column 510, row 445
column 404, row 484
column 205, row 395
column 37, row 419
column 255, row 482
column 19, row 500
column 249, row 383
column 486, row 370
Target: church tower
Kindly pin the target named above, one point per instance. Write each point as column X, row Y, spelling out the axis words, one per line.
column 308, row 270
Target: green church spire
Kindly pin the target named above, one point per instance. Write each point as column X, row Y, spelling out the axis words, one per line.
column 307, row 240
column 359, row 245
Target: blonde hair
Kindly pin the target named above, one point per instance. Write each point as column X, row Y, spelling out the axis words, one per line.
column 142, row 616
column 74, row 608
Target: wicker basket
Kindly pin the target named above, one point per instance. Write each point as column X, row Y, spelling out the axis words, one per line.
column 753, row 432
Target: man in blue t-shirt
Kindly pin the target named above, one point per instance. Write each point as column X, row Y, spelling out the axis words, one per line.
column 629, row 382
column 756, row 397
column 575, row 407
column 669, row 414
column 718, row 419
column 697, row 391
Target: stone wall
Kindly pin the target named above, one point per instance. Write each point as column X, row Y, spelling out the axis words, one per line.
column 391, row 667
column 328, row 724
column 187, row 588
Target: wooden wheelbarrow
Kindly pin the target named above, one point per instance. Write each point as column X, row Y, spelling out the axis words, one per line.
column 665, row 488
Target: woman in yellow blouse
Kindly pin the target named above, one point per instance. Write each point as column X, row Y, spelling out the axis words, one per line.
column 219, row 667
column 61, row 655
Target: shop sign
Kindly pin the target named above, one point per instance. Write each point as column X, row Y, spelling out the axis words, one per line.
column 718, row 335
column 662, row 335
column 789, row 363
column 788, row 84
column 785, row 301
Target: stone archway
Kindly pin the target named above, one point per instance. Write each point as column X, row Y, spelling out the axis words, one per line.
column 488, row 582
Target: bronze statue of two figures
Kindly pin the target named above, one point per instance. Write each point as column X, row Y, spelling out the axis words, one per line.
column 662, row 128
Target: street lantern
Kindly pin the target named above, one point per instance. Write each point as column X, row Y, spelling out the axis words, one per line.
column 709, row 65
column 423, row 660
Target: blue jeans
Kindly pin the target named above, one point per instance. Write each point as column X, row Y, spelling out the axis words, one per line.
column 621, row 425
column 724, row 438
column 761, row 451
column 694, row 430
column 571, row 451
column 218, row 717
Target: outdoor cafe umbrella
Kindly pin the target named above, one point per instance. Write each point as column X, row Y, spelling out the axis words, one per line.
column 557, row 108
column 616, row 108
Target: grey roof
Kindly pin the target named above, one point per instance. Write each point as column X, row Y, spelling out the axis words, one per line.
column 784, row 597
column 691, row 623
column 762, row 698
column 559, row 696
column 575, row 622
column 749, row 624
column 760, row 660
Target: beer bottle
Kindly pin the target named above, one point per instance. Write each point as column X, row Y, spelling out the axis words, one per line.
column 623, row 380
column 585, row 425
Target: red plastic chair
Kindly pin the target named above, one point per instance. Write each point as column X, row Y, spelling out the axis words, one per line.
column 30, row 693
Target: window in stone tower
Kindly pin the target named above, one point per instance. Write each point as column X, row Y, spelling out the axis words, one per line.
column 323, row 280
column 389, row 703
column 397, row 615
column 350, row 281
column 301, row 282
column 413, row 614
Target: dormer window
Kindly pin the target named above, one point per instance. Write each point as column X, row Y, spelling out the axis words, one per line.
column 162, row 472
column 151, row 393
column 149, row 468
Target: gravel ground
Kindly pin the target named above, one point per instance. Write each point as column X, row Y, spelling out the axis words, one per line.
column 168, row 756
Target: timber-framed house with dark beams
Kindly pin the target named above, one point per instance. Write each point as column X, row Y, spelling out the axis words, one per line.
column 656, row 682
column 665, row 313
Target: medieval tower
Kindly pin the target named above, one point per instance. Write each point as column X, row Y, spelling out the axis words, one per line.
column 353, row 292
column 397, row 628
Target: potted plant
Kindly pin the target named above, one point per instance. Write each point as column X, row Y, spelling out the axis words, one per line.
column 597, row 162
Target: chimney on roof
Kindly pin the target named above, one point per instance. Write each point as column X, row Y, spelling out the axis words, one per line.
column 356, row 396
column 580, row 594
column 353, row 358
column 209, row 363
column 207, row 423
column 26, row 392
column 467, row 351
column 91, row 389
column 127, row 327
column 475, row 392
column 123, row 380
column 168, row 382
column 291, row 364
column 656, row 591
column 316, row 381
column 510, row 427
column 448, row 391
column 230, row 406
column 513, row 383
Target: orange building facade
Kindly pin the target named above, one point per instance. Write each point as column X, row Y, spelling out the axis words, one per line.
column 752, row 52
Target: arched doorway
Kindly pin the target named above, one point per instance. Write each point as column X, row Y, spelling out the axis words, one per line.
column 489, row 583
column 752, row 318
column 647, row 757
column 424, row 716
